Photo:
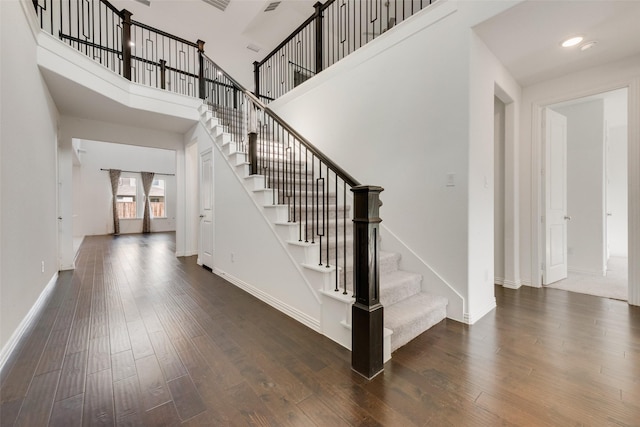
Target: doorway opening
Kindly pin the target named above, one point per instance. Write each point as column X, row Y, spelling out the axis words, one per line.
column 586, row 240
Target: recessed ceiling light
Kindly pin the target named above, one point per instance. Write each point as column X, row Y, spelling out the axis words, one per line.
column 573, row 41
column 588, row 45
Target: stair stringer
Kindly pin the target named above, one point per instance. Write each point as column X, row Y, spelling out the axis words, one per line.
column 335, row 307
column 432, row 282
column 312, row 320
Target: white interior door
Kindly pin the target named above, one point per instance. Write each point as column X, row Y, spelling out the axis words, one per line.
column 555, row 177
column 205, row 248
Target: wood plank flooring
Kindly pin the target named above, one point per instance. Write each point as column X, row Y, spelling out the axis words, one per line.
column 136, row 336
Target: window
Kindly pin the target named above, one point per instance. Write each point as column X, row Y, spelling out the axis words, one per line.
column 156, row 198
column 126, row 198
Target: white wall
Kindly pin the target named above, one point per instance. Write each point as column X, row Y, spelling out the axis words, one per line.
column 93, row 213
column 498, row 193
column 410, row 135
column 585, row 186
column 28, row 158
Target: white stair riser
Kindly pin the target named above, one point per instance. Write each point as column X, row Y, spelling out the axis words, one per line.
column 304, row 253
column 264, row 196
column 237, row 158
column 254, row 182
column 276, row 213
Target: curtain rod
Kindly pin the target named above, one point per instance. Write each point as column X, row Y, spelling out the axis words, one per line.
column 155, row 173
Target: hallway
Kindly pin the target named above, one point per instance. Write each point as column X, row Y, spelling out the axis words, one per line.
column 135, row 336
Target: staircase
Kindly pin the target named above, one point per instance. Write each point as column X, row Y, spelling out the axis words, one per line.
column 408, row 310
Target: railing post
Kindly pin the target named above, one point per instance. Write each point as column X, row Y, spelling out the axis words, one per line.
column 256, row 79
column 367, row 312
column 253, row 139
column 201, row 81
column 319, row 43
column 163, row 74
column 253, row 153
column 126, row 44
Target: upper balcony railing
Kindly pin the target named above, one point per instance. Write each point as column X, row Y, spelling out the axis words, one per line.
column 336, row 29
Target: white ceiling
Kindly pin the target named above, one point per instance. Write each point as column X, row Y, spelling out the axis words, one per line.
column 527, row 37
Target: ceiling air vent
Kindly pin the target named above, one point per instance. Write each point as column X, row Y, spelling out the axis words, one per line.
column 218, row 4
column 272, row 6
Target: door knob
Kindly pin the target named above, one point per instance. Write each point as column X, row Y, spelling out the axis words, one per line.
column 609, row 214
column 201, row 216
column 567, row 217
column 60, row 218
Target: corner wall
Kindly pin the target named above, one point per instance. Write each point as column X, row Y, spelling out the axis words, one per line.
column 28, row 136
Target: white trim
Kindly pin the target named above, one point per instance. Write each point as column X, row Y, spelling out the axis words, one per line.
column 634, row 191
column 471, row 318
column 186, row 253
column 27, row 321
column 273, row 302
column 510, row 284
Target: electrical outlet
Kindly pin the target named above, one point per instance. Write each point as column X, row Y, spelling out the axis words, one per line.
column 42, row 266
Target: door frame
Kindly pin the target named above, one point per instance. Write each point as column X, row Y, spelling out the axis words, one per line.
column 633, row 155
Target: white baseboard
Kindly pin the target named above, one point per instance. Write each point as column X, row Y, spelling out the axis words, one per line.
column 273, row 302
column 471, row 318
column 186, row 253
column 26, row 322
column 511, row 284
column 508, row 283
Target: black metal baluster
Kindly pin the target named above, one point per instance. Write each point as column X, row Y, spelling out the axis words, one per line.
column 326, row 214
column 320, row 232
column 344, row 236
column 336, row 228
column 306, row 195
column 313, row 200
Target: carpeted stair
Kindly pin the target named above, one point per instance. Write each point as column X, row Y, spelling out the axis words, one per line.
column 408, row 311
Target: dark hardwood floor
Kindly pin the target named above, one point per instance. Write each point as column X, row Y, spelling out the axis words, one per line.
column 135, row 336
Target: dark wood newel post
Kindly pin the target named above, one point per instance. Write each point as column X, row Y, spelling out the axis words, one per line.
column 367, row 312
column 126, row 44
column 201, row 81
column 256, row 79
column 319, row 43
